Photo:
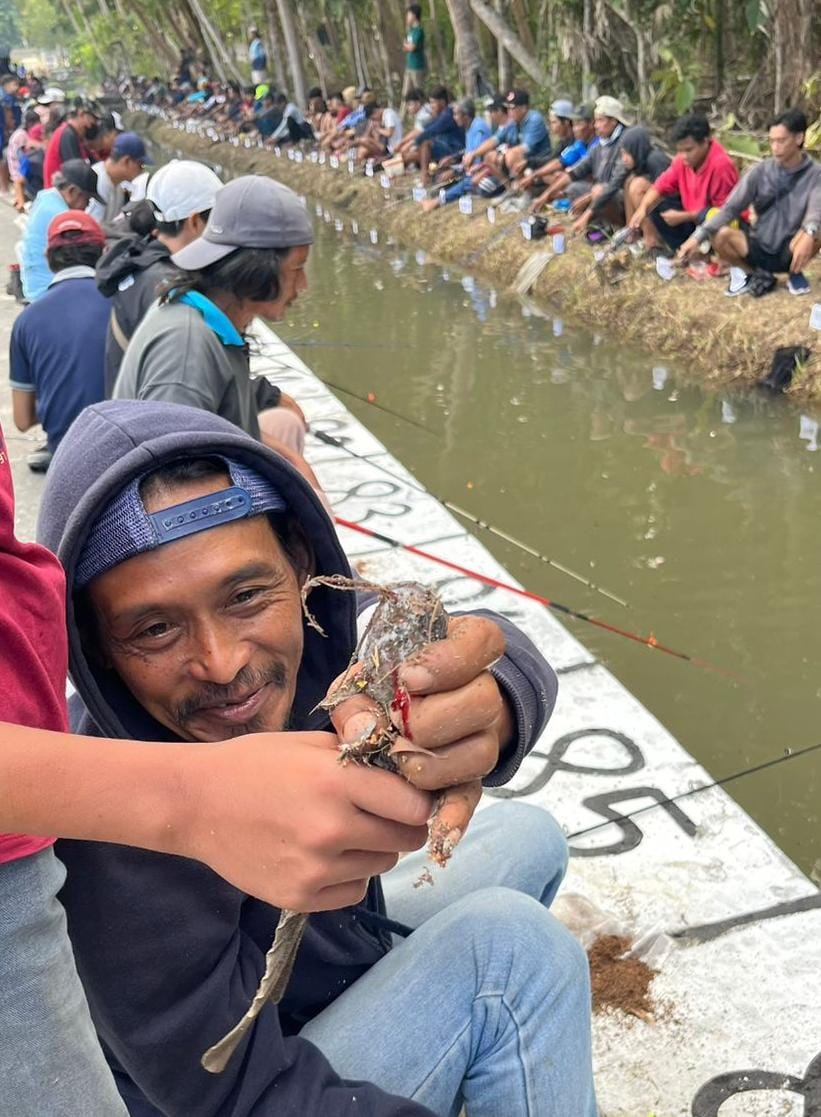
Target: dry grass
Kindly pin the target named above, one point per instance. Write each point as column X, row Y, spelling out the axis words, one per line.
column 720, row 340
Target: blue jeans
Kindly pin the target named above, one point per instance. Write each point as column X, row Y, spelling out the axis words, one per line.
column 487, row 1003
column 51, row 1064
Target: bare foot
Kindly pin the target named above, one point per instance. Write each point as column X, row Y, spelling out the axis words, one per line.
column 430, row 204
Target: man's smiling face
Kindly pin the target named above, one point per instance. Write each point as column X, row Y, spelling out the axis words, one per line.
column 206, row 632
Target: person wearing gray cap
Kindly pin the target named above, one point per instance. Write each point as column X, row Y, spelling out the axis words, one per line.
column 181, row 194
column 568, row 149
column 192, row 347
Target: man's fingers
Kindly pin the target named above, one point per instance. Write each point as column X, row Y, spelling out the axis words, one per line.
column 468, row 759
column 472, row 645
column 356, row 718
column 387, row 797
column 440, row 719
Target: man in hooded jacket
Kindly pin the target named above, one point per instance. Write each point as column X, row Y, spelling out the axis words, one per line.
column 184, row 543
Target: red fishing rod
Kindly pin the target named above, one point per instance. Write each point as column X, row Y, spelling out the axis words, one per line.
column 649, row 641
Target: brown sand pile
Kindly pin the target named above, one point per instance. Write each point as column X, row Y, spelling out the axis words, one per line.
column 618, row 982
column 720, row 340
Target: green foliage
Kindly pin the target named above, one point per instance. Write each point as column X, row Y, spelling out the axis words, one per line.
column 9, row 31
column 684, row 97
column 41, row 26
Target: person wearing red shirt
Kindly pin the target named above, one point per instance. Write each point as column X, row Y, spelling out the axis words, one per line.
column 700, row 178
column 68, row 140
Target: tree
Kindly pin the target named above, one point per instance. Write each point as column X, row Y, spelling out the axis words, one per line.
column 294, row 50
column 510, row 41
column 468, row 53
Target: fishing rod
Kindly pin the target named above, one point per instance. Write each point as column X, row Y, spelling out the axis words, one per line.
column 370, row 399
column 339, row 444
column 789, row 755
column 649, row 641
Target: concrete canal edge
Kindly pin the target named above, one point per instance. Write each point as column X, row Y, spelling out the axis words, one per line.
column 718, row 341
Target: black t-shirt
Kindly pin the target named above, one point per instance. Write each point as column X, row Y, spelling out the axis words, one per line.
column 70, row 147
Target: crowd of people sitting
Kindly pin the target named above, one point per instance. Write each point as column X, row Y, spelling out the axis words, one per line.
column 85, row 181
column 586, row 164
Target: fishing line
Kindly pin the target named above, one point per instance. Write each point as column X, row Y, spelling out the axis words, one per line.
column 331, row 441
column 283, row 366
column 790, row 755
column 648, row 641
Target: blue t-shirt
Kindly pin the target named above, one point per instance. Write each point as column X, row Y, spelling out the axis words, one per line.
column 34, row 270
column 10, row 102
column 572, row 153
column 57, row 350
column 257, row 55
column 531, row 132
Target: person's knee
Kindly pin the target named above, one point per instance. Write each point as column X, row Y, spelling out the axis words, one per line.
column 730, row 239
column 525, row 826
column 508, row 921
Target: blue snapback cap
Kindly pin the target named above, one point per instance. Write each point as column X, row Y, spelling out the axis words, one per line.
column 129, row 143
column 124, row 529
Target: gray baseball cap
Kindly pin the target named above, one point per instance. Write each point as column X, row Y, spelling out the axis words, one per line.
column 562, row 107
column 250, row 212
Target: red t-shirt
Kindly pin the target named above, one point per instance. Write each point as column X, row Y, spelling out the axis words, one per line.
column 33, row 644
column 709, row 186
column 52, row 161
column 342, row 112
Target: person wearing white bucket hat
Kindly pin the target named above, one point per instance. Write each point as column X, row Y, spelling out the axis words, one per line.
column 587, row 182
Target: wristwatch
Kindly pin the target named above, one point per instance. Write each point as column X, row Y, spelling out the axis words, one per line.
column 811, row 229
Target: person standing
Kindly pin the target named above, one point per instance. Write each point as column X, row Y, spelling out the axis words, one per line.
column 257, row 56
column 57, row 351
column 414, row 48
column 68, row 139
column 73, row 188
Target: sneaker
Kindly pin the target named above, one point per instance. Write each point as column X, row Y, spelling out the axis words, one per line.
column 761, row 283
column 739, row 283
column 798, row 284
column 39, row 460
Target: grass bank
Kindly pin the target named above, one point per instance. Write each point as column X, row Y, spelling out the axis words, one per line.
column 718, row 341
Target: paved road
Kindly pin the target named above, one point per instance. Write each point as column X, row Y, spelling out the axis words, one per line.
column 28, row 486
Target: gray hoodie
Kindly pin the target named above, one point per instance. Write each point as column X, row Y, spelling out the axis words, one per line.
column 783, row 200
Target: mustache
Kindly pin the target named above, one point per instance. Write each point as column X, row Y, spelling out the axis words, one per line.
column 246, row 681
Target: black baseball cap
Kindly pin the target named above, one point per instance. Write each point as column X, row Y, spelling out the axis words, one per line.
column 517, row 97
column 582, row 112
column 78, row 173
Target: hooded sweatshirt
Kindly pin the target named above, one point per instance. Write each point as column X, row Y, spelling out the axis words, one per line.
column 784, row 200
column 33, row 644
column 129, row 274
column 649, row 161
column 169, row 954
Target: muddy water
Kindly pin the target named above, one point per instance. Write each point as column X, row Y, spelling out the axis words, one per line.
column 701, row 510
